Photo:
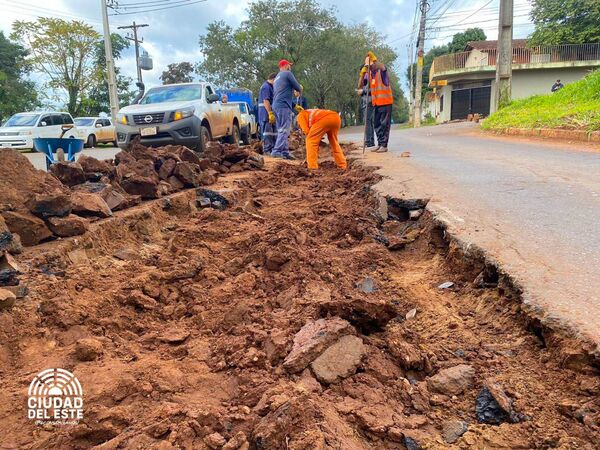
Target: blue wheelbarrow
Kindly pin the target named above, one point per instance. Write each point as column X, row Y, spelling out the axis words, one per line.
column 65, row 148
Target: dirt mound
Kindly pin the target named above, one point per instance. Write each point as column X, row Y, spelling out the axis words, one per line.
column 93, row 189
column 179, row 325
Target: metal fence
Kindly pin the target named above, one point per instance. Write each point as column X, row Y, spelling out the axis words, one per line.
column 479, row 59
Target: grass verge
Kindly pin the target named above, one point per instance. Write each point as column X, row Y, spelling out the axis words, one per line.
column 576, row 106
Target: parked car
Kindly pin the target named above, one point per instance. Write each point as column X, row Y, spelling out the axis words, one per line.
column 187, row 114
column 236, row 95
column 21, row 129
column 96, row 130
column 248, row 125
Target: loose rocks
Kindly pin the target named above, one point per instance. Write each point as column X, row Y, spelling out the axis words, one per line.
column 67, row 226
column 86, row 204
column 7, row 299
column 312, row 339
column 340, row 360
column 452, row 381
column 88, row 349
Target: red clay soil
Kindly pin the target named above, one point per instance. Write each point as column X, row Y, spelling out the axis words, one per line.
column 192, row 314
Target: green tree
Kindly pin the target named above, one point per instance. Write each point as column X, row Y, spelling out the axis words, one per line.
column 97, row 99
column 182, row 72
column 327, row 55
column 16, row 93
column 460, row 40
column 565, row 22
column 64, row 52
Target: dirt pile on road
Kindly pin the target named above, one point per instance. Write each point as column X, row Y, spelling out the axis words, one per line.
column 37, row 206
column 284, row 314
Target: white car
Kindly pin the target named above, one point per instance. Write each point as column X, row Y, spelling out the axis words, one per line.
column 19, row 131
column 96, row 130
column 248, row 126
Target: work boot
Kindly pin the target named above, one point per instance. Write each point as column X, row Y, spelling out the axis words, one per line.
column 373, row 148
column 289, row 157
column 381, row 150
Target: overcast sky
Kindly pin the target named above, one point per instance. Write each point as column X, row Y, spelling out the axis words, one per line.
column 173, row 33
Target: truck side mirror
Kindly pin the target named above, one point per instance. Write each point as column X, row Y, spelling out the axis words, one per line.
column 212, row 98
column 98, row 125
column 43, row 123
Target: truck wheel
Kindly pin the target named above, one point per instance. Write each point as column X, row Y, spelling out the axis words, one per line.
column 246, row 136
column 91, row 141
column 204, row 139
column 235, row 136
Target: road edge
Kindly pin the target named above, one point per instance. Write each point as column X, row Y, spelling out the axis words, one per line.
column 575, row 350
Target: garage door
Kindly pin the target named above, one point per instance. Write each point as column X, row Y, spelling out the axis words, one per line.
column 471, row 101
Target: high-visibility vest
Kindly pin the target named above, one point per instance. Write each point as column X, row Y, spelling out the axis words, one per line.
column 381, row 94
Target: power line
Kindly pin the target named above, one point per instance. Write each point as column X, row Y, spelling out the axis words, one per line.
column 151, row 5
column 155, row 9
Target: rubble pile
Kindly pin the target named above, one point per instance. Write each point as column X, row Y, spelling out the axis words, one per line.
column 37, row 206
column 277, row 315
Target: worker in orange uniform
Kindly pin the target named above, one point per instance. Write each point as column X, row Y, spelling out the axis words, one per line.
column 315, row 123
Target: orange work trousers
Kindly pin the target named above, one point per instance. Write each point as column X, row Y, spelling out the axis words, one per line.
column 329, row 124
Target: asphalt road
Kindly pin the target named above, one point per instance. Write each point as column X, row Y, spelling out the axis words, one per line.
column 38, row 159
column 533, row 205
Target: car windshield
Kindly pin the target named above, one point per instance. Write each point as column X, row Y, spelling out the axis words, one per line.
column 243, row 108
column 172, row 94
column 84, row 122
column 22, row 120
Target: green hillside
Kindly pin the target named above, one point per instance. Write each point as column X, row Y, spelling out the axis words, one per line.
column 576, row 106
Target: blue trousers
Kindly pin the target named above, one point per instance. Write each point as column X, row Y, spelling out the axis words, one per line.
column 268, row 136
column 284, row 128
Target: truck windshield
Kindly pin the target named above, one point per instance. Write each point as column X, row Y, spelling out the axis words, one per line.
column 243, row 108
column 84, row 122
column 172, row 94
column 22, row 120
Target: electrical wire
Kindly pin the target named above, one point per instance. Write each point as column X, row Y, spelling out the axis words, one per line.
column 157, row 9
column 170, row 5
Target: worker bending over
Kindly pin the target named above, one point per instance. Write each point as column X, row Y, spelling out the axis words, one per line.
column 315, row 123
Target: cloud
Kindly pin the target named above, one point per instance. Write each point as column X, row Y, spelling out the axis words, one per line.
column 172, row 35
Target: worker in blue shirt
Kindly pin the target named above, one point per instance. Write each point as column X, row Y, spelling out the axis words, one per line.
column 266, row 117
column 283, row 95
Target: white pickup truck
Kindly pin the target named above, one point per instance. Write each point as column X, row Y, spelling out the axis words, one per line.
column 187, row 114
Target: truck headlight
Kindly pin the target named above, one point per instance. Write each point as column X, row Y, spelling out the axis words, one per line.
column 182, row 114
column 122, row 119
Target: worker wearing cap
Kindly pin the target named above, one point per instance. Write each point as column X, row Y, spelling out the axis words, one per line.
column 266, row 117
column 376, row 75
column 315, row 123
column 283, row 95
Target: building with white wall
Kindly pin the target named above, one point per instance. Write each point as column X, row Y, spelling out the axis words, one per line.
column 464, row 82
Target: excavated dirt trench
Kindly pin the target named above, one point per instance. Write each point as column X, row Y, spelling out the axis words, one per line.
column 177, row 322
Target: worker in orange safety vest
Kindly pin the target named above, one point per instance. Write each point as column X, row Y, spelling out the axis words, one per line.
column 315, row 123
column 375, row 75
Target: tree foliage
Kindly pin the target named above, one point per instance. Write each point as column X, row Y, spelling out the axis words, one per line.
column 97, row 99
column 327, row 55
column 460, row 40
column 16, row 93
column 565, row 22
column 63, row 51
column 182, row 72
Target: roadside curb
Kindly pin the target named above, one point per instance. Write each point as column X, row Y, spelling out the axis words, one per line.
column 550, row 133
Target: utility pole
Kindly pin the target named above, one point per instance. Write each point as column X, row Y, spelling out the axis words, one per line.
column 110, row 63
column 420, row 55
column 137, row 43
column 411, row 90
column 504, row 59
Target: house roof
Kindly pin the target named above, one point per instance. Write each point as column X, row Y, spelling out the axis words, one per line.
column 492, row 45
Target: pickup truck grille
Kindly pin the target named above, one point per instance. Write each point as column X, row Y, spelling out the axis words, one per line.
column 148, row 119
